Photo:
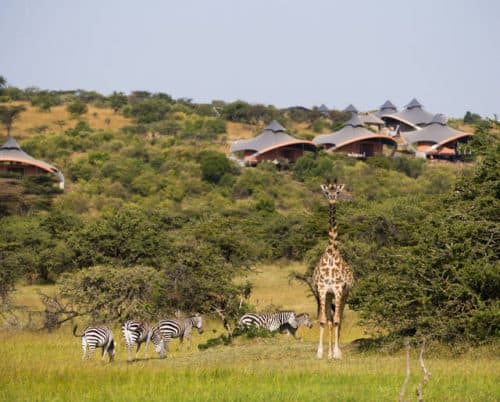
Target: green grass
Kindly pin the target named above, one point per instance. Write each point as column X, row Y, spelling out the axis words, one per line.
column 38, row 366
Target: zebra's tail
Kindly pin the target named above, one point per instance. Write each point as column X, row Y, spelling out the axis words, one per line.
column 74, row 332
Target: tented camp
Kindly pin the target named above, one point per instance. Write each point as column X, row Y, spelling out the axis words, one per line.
column 387, row 108
column 273, row 144
column 436, row 140
column 14, row 160
column 355, row 140
column 372, row 121
column 412, row 118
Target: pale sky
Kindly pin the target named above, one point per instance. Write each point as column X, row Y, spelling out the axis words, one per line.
column 444, row 53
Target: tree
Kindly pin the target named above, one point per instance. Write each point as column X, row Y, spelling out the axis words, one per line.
column 471, row 118
column 117, row 100
column 3, row 81
column 44, row 100
column 439, row 276
column 214, row 166
column 148, row 110
column 77, row 108
column 111, row 293
column 8, row 114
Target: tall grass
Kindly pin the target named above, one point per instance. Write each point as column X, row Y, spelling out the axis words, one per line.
column 41, row 366
column 38, row 366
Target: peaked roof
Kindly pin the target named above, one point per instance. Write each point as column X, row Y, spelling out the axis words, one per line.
column 12, row 152
column 437, row 132
column 323, row 108
column 351, row 109
column 273, row 136
column 414, row 115
column 414, row 103
column 353, row 131
column 387, row 108
column 369, row 118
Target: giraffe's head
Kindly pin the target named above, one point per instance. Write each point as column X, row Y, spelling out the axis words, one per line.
column 332, row 190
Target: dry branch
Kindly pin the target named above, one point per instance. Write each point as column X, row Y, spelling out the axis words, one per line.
column 425, row 375
column 407, row 378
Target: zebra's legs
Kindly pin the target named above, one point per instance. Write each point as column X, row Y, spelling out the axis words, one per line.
column 91, row 351
column 148, row 338
column 137, row 351
column 129, row 351
column 84, row 348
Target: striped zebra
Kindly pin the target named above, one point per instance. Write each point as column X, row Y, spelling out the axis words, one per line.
column 271, row 321
column 302, row 319
column 180, row 328
column 97, row 337
column 139, row 332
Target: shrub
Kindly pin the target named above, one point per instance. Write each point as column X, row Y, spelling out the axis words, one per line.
column 214, row 166
column 77, row 108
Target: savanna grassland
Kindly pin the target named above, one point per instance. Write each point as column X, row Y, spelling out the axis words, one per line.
column 47, row 366
column 155, row 218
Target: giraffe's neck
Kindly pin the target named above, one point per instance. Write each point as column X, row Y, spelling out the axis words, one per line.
column 332, row 233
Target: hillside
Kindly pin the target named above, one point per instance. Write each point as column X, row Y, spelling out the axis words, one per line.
column 151, row 197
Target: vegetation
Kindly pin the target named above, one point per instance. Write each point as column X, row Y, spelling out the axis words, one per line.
column 275, row 369
column 8, row 114
column 156, row 195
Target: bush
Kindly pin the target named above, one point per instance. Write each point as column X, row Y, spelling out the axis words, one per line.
column 110, row 293
column 77, row 108
column 148, row 111
column 214, row 166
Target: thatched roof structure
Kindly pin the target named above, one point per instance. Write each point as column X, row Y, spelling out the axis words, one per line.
column 272, row 138
column 436, row 138
column 352, row 132
column 414, row 115
column 12, row 155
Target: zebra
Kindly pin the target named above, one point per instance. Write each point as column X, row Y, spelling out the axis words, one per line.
column 97, row 337
column 180, row 328
column 138, row 332
column 302, row 319
column 271, row 321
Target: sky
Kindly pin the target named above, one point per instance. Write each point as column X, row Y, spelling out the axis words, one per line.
column 285, row 53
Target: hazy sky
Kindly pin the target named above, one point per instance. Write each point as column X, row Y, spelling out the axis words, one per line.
column 445, row 53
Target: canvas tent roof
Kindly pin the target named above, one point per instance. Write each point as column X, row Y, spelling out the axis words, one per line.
column 387, row 108
column 323, row 108
column 353, row 131
column 414, row 114
column 11, row 151
column 351, row 109
column 369, row 118
column 273, row 136
column 437, row 132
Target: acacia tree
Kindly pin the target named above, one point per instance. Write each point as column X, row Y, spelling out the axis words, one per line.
column 117, row 100
column 8, row 114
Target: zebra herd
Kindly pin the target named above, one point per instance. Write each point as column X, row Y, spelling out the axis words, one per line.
column 136, row 332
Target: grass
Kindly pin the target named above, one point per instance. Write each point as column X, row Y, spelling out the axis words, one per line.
column 46, row 367
column 58, row 120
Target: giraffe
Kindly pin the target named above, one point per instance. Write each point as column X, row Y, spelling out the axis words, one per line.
column 332, row 278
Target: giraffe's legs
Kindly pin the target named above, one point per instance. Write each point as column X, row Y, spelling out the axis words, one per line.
column 322, row 321
column 339, row 308
column 330, row 339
